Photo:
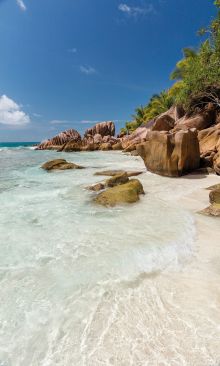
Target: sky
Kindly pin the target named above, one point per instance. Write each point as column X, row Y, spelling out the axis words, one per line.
column 72, row 63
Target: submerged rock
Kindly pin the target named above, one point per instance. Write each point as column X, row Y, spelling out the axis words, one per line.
column 60, row 164
column 124, row 193
column 116, row 180
column 96, row 187
column 170, row 154
column 112, row 173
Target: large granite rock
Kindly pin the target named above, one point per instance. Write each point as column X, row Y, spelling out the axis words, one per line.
column 216, row 162
column 200, row 120
column 60, row 164
column 209, row 142
column 163, row 123
column 103, row 129
column 170, row 154
column 61, row 139
column 124, row 193
column 71, row 146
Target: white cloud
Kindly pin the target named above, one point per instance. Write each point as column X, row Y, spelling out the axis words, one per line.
column 11, row 113
column 21, row 5
column 88, row 70
column 135, row 11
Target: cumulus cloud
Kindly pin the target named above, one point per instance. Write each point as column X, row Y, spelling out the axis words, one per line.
column 88, row 70
column 21, row 5
column 135, row 11
column 11, row 113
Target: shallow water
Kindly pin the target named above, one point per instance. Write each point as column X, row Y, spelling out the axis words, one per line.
column 79, row 283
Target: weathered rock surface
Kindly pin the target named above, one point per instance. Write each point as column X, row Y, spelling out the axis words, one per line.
column 71, row 146
column 200, row 121
column 212, row 210
column 124, row 193
column 112, row 173
column 103, row 129
column 105, row 146
column 96, row 187
column 170, row 154
column 209, row 142
column 62, row 138
column 163, row 123
column 214, row 196
column 60, row 164
column 216, row 162
column 216, row 186
column 117, row 146
column 116, row 180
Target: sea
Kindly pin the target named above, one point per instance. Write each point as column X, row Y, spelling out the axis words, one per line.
column 86, row 285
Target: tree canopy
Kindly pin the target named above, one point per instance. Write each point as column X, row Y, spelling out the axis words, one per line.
column 197, row 73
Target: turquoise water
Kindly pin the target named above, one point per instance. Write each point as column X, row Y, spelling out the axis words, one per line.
column 17, row 144
column 78, row 282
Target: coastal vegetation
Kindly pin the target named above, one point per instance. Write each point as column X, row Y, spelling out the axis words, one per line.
column 196, row 79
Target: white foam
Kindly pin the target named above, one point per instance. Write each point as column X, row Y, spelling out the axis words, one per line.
column 81, row 284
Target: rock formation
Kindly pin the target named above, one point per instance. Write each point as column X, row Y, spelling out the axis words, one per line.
column 209, row 142
column 60, row 164
column 98, row 137
column 170, row 154
column 124, row 193
column 103, row 129
column 214, row 198
column 59, row 140
column 200, row 120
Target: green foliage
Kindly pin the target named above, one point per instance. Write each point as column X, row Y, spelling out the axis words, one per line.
column 197, row 74
column 157, row 105
column 199, row 68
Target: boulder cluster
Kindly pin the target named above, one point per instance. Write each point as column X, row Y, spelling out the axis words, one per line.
column 173, row 144
column 99, row 137
column 117, row 189
column 176, row 143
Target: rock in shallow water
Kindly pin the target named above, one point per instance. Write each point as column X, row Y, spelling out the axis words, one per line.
column 60, row 164
column 116, row 180
column 125, row 193
column 112, row 173
column 96, row 187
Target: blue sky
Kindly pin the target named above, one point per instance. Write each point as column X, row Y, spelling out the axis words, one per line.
column 68, row 63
